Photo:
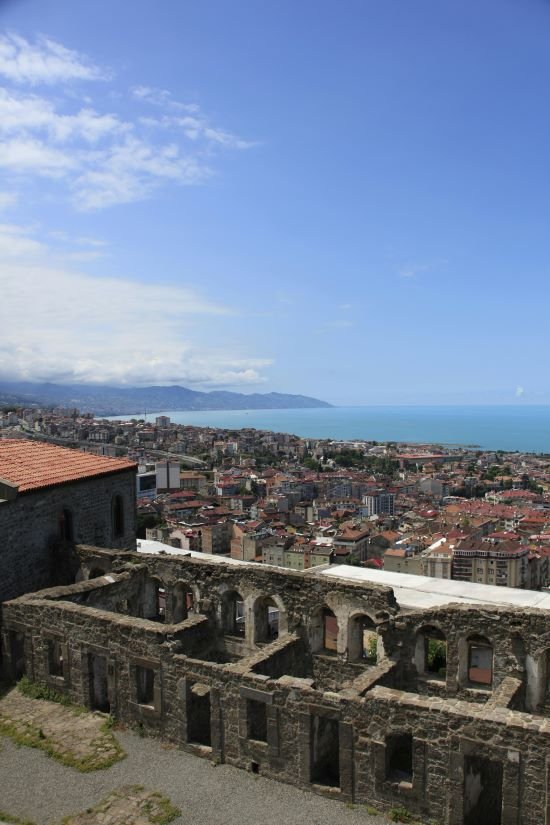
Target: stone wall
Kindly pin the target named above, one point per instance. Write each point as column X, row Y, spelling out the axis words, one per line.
column 30, row 528
column 386, row 734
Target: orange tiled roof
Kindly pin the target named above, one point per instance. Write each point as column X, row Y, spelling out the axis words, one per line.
column 31, row 465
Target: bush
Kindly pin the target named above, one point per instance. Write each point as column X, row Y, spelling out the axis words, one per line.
column 37, row 690
column 401, row 815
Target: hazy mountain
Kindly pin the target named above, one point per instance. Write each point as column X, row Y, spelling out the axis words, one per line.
column 104, row 400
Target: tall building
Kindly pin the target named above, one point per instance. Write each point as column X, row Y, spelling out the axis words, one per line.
column 379, row 503
column 168, row 476
column 504, row 564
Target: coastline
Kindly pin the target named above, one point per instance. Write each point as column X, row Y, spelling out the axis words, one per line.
column 510, row 428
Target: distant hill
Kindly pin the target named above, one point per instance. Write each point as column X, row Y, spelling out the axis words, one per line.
column 104, row 400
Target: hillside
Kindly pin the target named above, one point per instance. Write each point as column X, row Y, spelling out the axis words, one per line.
column 105, row 400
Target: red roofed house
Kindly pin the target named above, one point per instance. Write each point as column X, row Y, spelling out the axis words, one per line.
column 52, row 495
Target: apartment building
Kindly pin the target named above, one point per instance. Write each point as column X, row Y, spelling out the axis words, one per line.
column 377, row 503
column 504, row 564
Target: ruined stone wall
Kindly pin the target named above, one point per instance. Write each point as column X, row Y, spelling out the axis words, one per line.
column 290, row 712
column 29, row 528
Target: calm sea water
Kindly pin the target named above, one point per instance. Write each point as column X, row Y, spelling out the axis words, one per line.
column 524, row 428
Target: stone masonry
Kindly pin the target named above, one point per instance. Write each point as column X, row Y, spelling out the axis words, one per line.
column 30, row 534
column 322, row 683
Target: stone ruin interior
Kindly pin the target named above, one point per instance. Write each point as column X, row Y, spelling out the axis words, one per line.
column 320, row 682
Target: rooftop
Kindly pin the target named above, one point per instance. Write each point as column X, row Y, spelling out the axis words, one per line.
column 424, row 592
column 32, row 465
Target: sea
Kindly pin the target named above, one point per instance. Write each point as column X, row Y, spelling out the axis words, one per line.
column 523, row 428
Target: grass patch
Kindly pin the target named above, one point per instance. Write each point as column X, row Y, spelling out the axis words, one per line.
column 24, row 734
column 138, row 803
column 104, row 748
column 14, row 820
column 166, row 812
column 38, row 690
column 400, row 815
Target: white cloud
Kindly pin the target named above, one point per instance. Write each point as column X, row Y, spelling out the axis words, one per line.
column 16, row 243
column 194, row 123
column 163, row 98
column 103, row 158
column 35, row 156
column 60, row 324
column 129, row 171
column 44, row 62
column 519, row 392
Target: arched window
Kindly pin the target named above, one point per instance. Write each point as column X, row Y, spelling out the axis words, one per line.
column 480, row 661
column 66, row 532
column 431, row 652
column 233, row 618
column 362, row 640
column 117, row 513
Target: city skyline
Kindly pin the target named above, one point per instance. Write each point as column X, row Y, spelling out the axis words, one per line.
column 348, row 203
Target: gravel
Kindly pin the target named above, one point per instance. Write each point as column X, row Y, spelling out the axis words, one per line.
column 34, row 786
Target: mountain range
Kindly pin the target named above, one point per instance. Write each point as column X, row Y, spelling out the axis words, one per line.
column 105, row 400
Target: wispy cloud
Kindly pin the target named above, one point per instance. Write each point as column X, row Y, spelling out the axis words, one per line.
column 101, row 157
column 186, row 117
column 61, row 324
column 162, row 98
column 519, row 392
column 44, row 62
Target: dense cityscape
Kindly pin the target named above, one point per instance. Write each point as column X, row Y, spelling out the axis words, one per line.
column 273, row 498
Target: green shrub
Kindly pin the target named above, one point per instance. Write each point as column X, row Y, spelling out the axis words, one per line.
column 401, row 815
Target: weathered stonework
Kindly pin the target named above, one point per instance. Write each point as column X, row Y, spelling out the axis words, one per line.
column 246, row 665
column 30, row 527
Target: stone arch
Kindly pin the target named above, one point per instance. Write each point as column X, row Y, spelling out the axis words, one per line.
column 430, row 654
column 362, row 638
column 270, row 618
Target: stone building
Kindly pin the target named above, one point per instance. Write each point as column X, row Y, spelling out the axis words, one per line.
column 52, row 495
column 433, row 696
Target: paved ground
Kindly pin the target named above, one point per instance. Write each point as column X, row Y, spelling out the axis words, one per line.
column 38, row 788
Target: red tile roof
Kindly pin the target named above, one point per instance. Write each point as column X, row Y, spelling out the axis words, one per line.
column 31, row 465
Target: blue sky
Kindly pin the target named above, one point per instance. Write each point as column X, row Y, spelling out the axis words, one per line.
column 348, row 200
